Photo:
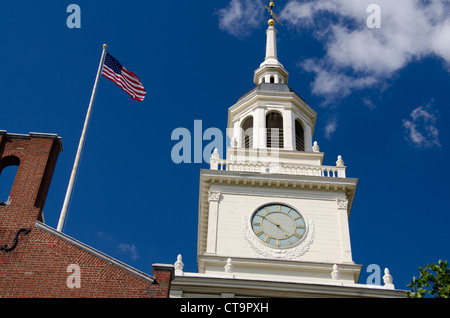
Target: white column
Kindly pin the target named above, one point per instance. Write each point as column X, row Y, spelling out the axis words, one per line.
column 213, row 218
column 237, row 134
column 259, row 129
column 288, row 129
column 342, row 207
column 308, row 137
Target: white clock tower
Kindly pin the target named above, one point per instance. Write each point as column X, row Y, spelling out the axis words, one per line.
column 273, row 220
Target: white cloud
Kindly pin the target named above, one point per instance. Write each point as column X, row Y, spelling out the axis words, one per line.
column 105, row 236
column 130, row 250
column 330, row 127
column 329, row 82
column 239, row 18
column 420, row 128
column 359, row 57
column 441, row 41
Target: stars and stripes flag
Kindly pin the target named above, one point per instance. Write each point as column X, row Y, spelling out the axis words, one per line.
column 127, row 80
column 130, row 83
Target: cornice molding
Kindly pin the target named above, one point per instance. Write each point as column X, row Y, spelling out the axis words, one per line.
column 217, row 285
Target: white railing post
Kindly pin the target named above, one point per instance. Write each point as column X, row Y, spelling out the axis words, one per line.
column 214, row 160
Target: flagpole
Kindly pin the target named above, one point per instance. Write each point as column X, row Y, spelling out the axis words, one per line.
column 80, row 146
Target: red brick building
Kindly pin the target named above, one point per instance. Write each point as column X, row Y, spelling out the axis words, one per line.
column 38, row 261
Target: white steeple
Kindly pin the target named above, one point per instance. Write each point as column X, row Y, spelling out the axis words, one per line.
column 271, row 45
column 272, row 219
column 271, row 70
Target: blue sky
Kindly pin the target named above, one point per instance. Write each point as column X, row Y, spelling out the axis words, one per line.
column 381, row 94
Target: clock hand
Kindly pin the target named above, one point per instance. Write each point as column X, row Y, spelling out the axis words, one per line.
column 287, row 235
column 277, row 224
column 272, row 221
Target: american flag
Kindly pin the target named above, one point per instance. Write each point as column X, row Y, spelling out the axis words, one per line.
column 128, row 81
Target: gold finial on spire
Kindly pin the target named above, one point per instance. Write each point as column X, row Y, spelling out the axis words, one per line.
column 271, row 21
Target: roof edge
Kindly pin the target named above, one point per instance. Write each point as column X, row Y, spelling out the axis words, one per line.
column 35, row 135
column 94, row 252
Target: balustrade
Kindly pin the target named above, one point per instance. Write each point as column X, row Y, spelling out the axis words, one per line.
column 305, row 170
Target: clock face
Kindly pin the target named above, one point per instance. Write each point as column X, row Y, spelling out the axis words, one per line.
column 278, row 225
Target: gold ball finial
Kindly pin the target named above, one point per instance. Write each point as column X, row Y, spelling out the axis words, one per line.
column 105, row 46
column 271, row 22
column 271, row 4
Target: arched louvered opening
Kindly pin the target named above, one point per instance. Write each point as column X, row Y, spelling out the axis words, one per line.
column 299, row 137
column 274, row 126
column 8, row 169
column 247, row 135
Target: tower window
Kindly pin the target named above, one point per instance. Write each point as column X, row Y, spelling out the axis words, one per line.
column 272, row 79
column 299, row 137
column 247, row 136
column 274, row 126
column 8, row 170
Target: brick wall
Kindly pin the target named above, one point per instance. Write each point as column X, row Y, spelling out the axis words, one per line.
column 47, row 263
column 39, row 265
column 36, row 157
column 164, row 274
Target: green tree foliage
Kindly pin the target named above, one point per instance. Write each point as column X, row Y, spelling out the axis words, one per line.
column 434, row 280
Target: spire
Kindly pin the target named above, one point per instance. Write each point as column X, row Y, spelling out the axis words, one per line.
column 271, row 45
column 271, row 70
